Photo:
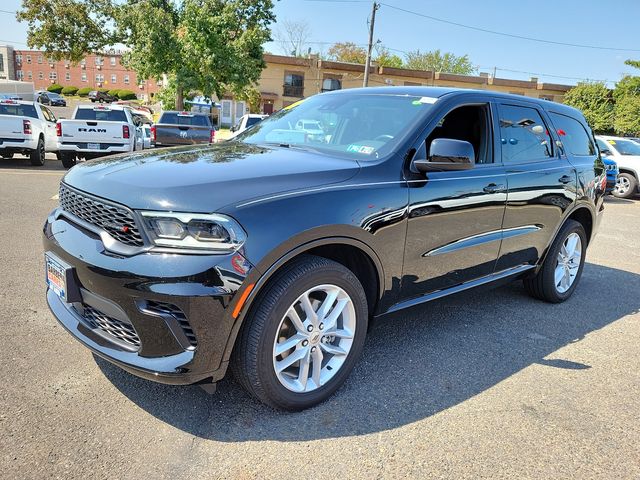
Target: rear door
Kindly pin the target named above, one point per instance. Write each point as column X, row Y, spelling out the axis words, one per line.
column 49, row 125
column 542, row 183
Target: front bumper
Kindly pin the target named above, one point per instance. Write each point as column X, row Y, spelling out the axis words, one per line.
column 181, row 349
column 612, row 178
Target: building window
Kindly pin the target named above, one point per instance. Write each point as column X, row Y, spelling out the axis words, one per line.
column 83, row 62
column 28, row 58
column 18, row 58
column 83, row 77
column 293, row 85
column 29, row 75
column 40, row 58
column 40, row 75
column 67, row 76
column 1, row 62
column 20, row 75
column 99, row 61
column 53, row 76
column 99, row 77
column 112, row 60
column 331, row 83
column 114, row 78
column 126, row 79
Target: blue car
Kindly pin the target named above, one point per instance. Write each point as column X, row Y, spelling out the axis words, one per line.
column 612, row 173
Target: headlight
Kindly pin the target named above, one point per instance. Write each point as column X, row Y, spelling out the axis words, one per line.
column 214, row 233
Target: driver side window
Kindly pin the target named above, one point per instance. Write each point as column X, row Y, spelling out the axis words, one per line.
column 469, row 123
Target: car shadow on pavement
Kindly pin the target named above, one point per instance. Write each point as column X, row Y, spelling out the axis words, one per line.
column 415, row 364
column 22, row 163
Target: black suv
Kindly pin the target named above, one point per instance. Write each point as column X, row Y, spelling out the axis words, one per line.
column 272, row 253
column 100, row 96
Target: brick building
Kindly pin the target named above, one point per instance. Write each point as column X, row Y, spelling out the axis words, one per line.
column 104, row 70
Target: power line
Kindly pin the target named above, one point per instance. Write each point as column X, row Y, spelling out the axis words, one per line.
column 510, row 35
column 8, row 11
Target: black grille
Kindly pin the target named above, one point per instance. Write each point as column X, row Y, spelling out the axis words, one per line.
column 114, row 327
column 116, row 220
column 175, row 312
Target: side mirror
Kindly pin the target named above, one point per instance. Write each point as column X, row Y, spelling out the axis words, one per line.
column 606, row 153
column 447, row 154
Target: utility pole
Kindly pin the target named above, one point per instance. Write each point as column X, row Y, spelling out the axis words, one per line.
column 375, row 7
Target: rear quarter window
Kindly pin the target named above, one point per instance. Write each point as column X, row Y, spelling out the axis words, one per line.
column 574, row 137
column 101, row 115
column 173, row 118
column 19, row 110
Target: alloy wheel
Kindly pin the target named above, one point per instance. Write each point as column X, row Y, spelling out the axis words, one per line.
column 622, row 186
column 314, row 338
column 568, row 263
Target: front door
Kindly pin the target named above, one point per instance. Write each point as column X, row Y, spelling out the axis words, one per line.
column 455, row 217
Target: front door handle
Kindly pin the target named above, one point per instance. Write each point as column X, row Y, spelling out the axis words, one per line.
column 564, row 179
column 494, row 188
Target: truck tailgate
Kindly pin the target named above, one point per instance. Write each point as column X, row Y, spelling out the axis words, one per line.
column 182, row 134
column 91, row 131
column 11, row 128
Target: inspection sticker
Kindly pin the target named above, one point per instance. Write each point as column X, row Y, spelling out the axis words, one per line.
column 429, row 100
column 360, row 149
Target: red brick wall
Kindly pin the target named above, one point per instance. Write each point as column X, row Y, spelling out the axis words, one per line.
column 67, row 74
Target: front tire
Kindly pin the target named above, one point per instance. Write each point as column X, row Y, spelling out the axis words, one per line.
column 37, row 156
column 7, row 156
column 303, row 336
column 562, row 268
column 626, row 186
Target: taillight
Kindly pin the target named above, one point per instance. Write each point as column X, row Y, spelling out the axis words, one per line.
column 125, row 131
column 212, row 136
column 153, row 133
column 59, row 129
column 26, row 126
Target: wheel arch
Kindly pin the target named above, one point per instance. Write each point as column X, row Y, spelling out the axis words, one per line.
column 352, row 253
column 628, row 171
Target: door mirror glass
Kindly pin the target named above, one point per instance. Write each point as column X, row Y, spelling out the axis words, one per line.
column 447, row 154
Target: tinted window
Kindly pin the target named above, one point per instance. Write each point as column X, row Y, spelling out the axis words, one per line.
column 574, row 137
column 101, row 115
column 252, row 121
column 50, row 117
column 174, row 118
column 18, row 110
column 523, row 135
column 625, row 147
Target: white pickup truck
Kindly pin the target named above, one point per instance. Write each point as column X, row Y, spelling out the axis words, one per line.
column 27, row 128
column 95, row 131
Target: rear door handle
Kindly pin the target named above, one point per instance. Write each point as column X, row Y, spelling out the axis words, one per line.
column 494, row 188
column 564, row 179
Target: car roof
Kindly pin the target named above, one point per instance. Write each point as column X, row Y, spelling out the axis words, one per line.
column 440, row 92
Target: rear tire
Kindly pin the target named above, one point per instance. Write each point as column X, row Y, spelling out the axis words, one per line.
column 562, row 268
column 37, row 156
column 326, row 341
column 68, row 159
column 626, row 186
column 7, row 156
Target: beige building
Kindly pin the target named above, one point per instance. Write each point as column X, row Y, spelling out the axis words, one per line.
column 7, row 71
column 288, row 79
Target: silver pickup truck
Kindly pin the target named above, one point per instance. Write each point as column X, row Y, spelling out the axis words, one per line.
column 182, row 128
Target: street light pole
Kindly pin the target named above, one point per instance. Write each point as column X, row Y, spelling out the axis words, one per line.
column 375, row 7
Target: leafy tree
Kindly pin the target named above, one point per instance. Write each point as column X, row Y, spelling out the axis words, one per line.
column 347, row 52
column 212, row 45
column 385, row 58
column 55, row 88
column 440, row 62
column 627, row 115
column 292, row 36
column 594, row 100
column 633, row 63
column 628, row 85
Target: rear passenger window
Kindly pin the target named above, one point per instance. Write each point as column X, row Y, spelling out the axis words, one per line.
column 524, row 135
column 573, row 135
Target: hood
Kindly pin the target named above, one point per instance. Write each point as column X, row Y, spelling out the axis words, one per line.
column 204, row 179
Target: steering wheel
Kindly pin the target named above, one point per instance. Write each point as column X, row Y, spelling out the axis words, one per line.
column 382, row 138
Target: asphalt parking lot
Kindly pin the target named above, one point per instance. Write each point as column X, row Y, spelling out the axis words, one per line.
column 486, row 384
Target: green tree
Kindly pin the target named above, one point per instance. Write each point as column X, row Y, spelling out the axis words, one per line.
column 628, row 85
column 385, row 58
column 440, row 62
column 214, row 46
column 627, row 115
column 347, row 52
column 594, row 99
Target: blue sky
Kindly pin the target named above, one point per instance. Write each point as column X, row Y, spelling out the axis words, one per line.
column 587, row 22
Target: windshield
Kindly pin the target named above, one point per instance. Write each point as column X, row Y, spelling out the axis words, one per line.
column 625, row 147
column 102, row 114
column 54, row 95
column 362, row 125
column 174, row 118
column 18, row 110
